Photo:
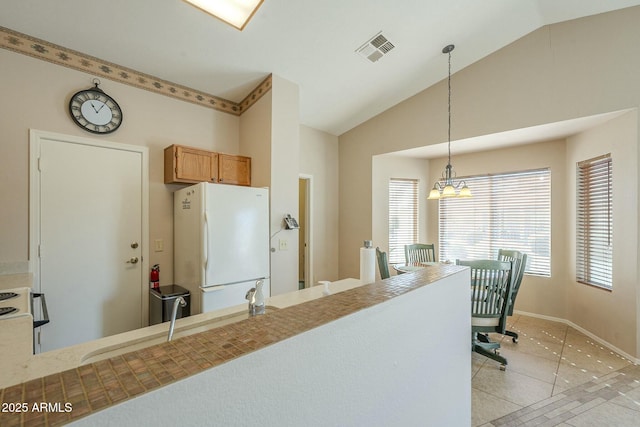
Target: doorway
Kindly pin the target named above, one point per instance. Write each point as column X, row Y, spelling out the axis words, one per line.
column 305, row 234
column 88, row 236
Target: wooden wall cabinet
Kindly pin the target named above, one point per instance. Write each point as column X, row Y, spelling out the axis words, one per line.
column 234, row 169
column 188, row 165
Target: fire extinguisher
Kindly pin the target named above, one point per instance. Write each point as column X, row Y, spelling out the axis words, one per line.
column 154, row 277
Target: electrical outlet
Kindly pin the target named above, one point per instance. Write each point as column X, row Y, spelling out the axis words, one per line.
column 283, row 245
column 159, row 245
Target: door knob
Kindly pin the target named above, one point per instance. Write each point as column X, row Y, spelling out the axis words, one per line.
column 134, row 245
column 133, row 260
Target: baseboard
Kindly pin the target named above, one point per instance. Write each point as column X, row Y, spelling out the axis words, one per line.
column 633, row 359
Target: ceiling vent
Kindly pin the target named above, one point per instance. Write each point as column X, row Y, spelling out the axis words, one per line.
column 375, row 48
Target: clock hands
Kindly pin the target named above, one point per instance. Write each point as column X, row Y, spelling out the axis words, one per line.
column 97, row 111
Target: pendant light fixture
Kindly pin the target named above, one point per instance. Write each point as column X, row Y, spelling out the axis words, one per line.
column 447, row 186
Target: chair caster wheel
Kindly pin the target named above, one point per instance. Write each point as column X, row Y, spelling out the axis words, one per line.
column 503, row 367
column 515, row 340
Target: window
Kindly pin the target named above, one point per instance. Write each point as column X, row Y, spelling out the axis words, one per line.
column 508, row 211
column 403, row 217
column 594, row 218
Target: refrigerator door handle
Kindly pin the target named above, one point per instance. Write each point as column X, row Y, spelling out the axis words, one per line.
column 212, row 288
column 205, row 242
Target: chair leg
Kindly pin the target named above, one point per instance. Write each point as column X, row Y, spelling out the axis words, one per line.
column 483, row 337
column 491, row 355
column 484, row 348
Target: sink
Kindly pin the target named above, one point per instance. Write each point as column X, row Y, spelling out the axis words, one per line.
column 161, row 336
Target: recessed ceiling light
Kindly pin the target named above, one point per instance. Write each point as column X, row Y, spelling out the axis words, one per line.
column 234, row 12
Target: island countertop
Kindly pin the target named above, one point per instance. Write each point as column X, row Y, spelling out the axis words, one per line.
column 40, row 365
column 58, row 376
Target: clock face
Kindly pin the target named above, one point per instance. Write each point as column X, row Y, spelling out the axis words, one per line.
column 95, row 111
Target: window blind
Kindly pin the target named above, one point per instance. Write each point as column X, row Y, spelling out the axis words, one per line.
column 403, row 217
column 594, row 222
column 508, row 211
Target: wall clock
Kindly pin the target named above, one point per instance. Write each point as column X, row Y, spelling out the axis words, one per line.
column 95, row 111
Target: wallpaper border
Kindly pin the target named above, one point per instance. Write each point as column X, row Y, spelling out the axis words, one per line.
column 40, row 49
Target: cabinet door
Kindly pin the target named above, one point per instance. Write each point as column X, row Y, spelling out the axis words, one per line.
column 234, row 169
column 191, row 165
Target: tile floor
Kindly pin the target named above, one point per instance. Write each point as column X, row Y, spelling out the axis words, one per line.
column 556, row 376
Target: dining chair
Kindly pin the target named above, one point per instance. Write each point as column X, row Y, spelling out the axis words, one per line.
column 419, row 252
column 519, row 260
column 491, row 284
column 383, row 264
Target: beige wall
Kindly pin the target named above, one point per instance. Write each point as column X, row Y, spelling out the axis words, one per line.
column 255, row 140
column 285, row 149
column 270, row 131
column 35, row 95
column 568, row 70
column 319, row 159
column 384, row 168
column 609, row 315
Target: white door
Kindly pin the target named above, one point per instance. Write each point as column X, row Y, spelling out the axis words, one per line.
column 91, row 206
column 305, row 245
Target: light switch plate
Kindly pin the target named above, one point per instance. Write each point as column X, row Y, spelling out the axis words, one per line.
column 159, row 245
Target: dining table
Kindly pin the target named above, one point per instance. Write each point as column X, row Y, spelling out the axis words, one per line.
column 409, row 268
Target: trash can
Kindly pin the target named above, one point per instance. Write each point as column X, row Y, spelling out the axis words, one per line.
column 161, row 303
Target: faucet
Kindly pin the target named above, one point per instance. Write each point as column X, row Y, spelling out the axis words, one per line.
column 256, row 299
column 182, row 303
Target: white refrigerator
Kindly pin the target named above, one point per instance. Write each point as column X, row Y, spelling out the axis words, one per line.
column 221, row 243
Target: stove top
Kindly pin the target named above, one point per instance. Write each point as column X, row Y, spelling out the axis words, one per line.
column 7, row 295
column 14, row 302
column 7, row 310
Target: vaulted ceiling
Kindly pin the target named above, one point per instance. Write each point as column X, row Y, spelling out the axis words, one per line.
column 311, row 43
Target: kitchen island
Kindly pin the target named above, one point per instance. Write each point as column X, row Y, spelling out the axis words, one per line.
column 397, row 349
column 21, row 366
